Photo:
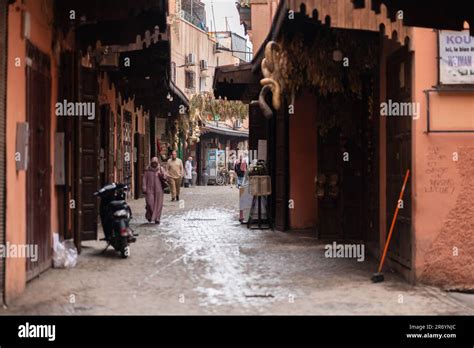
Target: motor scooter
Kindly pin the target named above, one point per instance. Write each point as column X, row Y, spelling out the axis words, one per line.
column 115, row 215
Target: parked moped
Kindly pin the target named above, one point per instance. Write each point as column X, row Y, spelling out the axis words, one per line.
column 115, row 215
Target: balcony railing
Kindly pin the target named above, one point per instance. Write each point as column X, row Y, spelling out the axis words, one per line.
column 194, row 20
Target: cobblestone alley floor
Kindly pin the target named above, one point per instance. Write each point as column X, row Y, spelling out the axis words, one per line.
column 200, row 260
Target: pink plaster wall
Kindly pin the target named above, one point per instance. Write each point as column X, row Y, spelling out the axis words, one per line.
column 41, row 36
column 443, row 210
column 303, row 162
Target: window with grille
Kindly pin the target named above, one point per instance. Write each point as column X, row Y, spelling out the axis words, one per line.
column 189, row 79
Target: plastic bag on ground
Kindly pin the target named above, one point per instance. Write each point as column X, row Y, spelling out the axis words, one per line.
column 64, row 253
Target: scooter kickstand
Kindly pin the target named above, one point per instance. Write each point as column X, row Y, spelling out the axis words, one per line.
column 103, row 251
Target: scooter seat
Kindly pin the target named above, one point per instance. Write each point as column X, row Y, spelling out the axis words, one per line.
column 118, row 204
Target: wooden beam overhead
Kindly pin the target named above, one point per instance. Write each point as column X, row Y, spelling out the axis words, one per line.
column 118, row 32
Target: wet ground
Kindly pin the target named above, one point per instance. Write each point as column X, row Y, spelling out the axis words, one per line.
column 200, row 260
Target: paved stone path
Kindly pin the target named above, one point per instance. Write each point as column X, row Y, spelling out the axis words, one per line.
column 200, row 260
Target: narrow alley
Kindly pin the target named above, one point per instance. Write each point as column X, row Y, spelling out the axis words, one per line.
column 200, row 260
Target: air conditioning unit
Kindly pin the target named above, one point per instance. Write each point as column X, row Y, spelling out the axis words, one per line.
column 191, row 59
column 203, row 64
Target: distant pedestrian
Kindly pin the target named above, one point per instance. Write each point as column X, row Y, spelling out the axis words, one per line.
column 175, row 170
column 152, row 187
column 230, row 168
column 240, row 169
column 188, row 171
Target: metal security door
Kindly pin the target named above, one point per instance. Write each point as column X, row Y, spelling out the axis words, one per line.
column 38, row 176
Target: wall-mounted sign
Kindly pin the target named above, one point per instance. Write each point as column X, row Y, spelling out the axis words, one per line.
column 456, row 57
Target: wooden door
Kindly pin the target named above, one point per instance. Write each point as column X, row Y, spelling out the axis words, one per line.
column 147, row 140
column 38, row 176
column 127, row 147
column 399, row 156
column 352, row 189
column 370, row 143
column 103, row 139
column 107, row 134
column 280, row 167
column 330, row 208
column 139, row 163
column 111, row 147
column 119, row 146
column 87, row 155
column 66, row 125
column 341, row 170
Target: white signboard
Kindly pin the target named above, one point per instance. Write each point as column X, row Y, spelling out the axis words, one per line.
column 456, row 63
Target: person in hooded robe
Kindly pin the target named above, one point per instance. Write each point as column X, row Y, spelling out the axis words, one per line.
column 153, row 190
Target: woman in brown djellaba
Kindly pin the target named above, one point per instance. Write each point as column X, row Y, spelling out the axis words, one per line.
column 153, row 186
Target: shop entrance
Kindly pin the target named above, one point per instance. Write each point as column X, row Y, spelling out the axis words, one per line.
column 347, row 181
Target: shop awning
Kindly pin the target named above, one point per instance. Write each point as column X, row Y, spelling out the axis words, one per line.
column 224, row 131
column 237, row 82
column 179, row 93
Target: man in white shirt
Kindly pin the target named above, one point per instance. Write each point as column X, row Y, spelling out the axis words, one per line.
column 188, row 170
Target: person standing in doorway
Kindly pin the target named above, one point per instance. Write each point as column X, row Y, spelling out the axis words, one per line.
column 188, row 171
column 153, row 189
column 175, row 171
column 240, row 169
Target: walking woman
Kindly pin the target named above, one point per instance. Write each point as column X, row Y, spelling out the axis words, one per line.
column 153, row 181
